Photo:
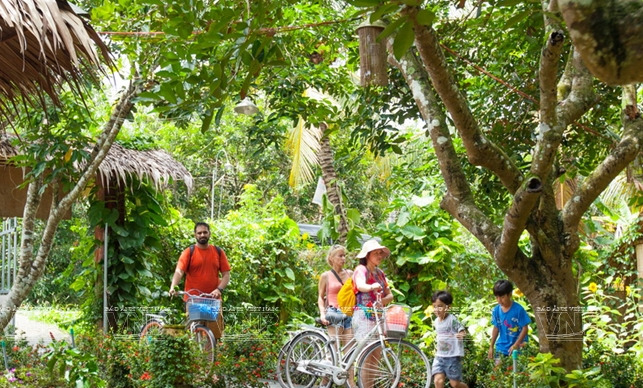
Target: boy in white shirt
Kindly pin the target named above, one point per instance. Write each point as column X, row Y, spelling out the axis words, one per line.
column 447, row 362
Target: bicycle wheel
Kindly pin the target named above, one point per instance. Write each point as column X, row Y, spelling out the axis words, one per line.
column 205, row 341
column 306, row 349
column 398, row 364
column 281, row 364
column 152, row 327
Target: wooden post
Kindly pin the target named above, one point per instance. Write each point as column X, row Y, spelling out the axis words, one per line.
column 372, row 56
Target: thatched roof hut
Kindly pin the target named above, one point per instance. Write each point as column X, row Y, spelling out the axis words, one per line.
column 119, row 165
column 43, row 44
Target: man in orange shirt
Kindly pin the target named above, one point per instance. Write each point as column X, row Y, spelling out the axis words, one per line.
column 202, row 264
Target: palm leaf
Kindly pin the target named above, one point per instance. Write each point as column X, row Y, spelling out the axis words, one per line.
column 303, row 142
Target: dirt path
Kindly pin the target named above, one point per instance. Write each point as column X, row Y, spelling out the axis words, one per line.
column 37, row 332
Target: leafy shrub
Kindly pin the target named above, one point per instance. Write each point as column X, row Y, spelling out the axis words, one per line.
column 246, row 359
column 262, row 244
column 622, row 370
column 78, row 368
column 172, row 361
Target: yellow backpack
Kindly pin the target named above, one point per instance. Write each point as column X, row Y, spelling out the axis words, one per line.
column 346, row 298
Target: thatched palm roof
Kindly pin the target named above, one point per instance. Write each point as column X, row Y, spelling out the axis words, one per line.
column 156, row 165
column 43, row 44
column 122, row 163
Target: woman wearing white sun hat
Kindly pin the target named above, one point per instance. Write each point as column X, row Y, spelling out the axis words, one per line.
column 369, row 279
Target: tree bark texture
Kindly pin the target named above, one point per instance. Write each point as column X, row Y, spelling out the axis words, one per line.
column 545, row 274
column 333, row 190
column 609, row 37
column 30, row 268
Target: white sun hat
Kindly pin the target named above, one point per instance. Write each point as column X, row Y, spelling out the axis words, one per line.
column 371, row 245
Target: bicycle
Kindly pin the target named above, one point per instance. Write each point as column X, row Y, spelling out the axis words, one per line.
column 385, row 362
column 283, row 353
column 201, row 309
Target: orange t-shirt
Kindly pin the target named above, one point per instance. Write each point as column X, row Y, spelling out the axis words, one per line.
column 205, row 266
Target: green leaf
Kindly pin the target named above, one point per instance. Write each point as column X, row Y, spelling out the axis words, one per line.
column 206, row 121
column 364, row 3
column 413, row 231
column 509, row 3
column 290, row 273
column 391, row 28
column 425, row 17
column 217, row 118
column 403, row 40
column 383, row 11
column 517, row 18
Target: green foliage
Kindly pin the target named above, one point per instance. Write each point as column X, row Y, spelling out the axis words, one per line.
column 421, row 242
column 133, row 243
column 80, row 369
column 172, row 361
column 246, row 356
column 614, row 321
column 620, row 370
column 262, row 244
column 544, row 370
column 52, row 289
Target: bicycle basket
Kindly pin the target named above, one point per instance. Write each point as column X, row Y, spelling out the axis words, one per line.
column 396, row 320
column 203, row 309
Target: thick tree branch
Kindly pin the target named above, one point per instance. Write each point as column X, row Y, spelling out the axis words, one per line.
column 480, row 150
column 582, row 95
column 609, row 37
column 549, row 132
column 516, row 221
column 459, row 200
column 549, row 138
column 547, row 77
column 622, row 155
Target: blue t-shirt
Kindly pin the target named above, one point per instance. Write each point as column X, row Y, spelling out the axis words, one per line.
column 509, row 325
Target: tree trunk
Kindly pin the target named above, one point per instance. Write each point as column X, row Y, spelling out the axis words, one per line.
column 329, row 175
column 30, row 268
column 552, row 294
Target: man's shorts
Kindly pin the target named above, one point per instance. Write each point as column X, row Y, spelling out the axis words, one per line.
column 451, row 367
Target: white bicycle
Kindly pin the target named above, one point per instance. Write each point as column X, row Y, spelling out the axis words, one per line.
column 383, row 362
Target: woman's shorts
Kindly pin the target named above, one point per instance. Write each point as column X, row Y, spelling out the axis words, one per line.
column 338, row 318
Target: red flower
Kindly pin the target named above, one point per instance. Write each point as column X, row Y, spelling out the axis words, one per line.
column 15, row 348
column 146, row 376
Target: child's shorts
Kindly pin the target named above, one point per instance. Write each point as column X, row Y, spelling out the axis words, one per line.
column 451, row 367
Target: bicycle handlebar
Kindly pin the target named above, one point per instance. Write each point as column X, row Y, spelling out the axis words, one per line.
column 199, row 295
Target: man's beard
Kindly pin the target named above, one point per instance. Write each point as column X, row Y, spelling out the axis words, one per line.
column 203, row 240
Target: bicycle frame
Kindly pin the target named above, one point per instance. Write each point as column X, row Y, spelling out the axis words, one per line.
column 197, row 328
column 340, row 372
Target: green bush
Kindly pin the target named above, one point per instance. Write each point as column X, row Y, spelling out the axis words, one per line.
column 621, row 370
column 246, row 359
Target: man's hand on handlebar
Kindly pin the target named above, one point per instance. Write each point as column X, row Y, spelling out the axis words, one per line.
column 173, row 291
column 216, row 294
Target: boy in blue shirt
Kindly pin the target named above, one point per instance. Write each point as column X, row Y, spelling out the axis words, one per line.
column 510, row 322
